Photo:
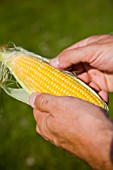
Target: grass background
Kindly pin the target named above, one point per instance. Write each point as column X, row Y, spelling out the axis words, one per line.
column 45, row 27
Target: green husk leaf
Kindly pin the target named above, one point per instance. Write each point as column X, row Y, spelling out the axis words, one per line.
column 19, row 94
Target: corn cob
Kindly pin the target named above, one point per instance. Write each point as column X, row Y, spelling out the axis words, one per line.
column 36, row 75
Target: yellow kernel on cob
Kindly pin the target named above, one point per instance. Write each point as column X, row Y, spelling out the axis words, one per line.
column 38, row 76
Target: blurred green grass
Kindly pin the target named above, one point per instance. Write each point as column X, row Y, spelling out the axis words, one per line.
column 45, row 27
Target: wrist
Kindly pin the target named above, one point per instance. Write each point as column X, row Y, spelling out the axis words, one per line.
column 100, row 155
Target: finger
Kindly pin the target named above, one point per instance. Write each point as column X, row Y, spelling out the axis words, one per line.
column 32, row 99
column 94, row 86
column 43, row 102
column 97, row 78
column 38, row 131
column 36, row 114
column 61, row 60
column 74, row 56
column 104, row 96
column 43, row 122
column 84, row 77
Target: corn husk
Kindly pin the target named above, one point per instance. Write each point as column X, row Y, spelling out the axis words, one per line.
column 8, row 78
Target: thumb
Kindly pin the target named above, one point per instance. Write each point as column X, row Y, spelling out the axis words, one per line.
column 42, row 101
column 74, row 56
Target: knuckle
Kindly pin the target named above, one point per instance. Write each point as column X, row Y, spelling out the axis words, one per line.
column 40, row 123
column 35, row 114
column 91, row 38
column 37, row 129
column 41, row 133
column 107, row 35
column 64, row 57
column 42, row 100
column 65, row 54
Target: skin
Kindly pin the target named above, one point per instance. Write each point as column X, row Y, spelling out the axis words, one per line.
column 84, row 131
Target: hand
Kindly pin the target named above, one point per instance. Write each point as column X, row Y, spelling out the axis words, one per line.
column 84, row 131
column 93, row 62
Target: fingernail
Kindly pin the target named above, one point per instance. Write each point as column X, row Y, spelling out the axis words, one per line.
column 32, row 99
column 55, row 62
